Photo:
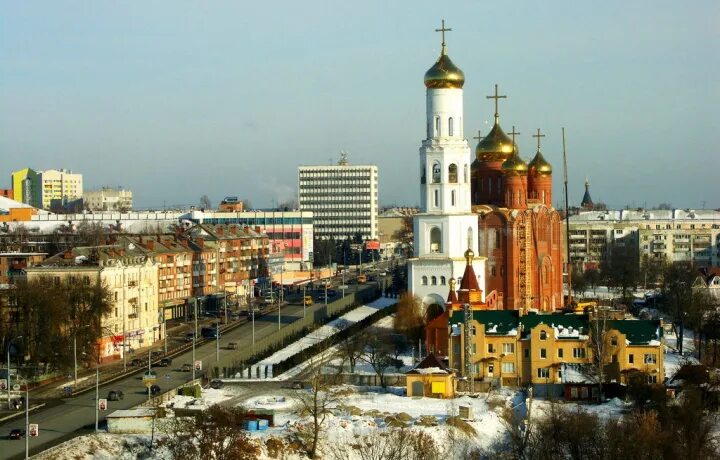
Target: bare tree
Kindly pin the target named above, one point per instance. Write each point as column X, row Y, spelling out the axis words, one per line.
column 409, row 317
column 352, row 347
column 395, row 444
column 213, row 433
column 316, row 402
column 599, row 350
column 378, row 354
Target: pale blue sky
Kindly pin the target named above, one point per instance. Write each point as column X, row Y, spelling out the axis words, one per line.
column 176, row 99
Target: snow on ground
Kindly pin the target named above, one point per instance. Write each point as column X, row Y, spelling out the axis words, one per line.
column 673, row 360
column 209, row 397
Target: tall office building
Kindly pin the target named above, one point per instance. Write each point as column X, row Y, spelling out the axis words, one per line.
column 342, row 197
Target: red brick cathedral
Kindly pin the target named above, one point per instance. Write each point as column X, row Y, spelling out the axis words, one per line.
column 519, row 230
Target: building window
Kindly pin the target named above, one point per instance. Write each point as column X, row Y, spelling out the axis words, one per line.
column 452, row 198
column 465, row 177
column 652, row 378
column 508, row 368
column 543, row 335
column 508, row 348
column 437, row 126
column 452, row 174
column 631, row 358
column 491, row 348
column 424, row 280
column 450, row 126
column 442, row 280
column 650, row 358
column 436, row 173
column 543, row 373
column 436, row 198
column 560, row 352
column 613, row 341
column 435, row 240
column 433, row 280
column 527, row 353
column 543, row 353
column 578, row 353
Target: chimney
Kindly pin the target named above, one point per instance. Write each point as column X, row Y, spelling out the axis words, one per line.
column 219, row 230
column 200, row 242
column 257, row 229
column 234, row 229
column 150, row 244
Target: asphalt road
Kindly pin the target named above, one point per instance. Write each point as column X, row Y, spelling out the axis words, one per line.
column 66, row 418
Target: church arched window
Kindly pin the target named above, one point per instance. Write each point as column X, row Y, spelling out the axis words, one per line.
column 423, row 173
column 452, row 173
column 424, row 280
column 436, row 197
column 433, row 280
column 437, row 126
column 436, row 173
column 442, row 280
column 435, row 240
column 450, row 126
column 469, row 237
column 465, row 177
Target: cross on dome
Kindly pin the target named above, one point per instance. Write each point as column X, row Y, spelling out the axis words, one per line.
column 479, row 136
column 538, row 136
column 513, row 134
column 496, row 97
column 442, row 30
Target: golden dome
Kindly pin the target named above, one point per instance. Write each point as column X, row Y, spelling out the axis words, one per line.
column 469, row 255
column 444, row 74
column 514, row 165
column 495, row 146
column 540, row 166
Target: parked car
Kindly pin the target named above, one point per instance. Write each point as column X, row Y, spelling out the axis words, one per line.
column 189, row 336
column 155, row 389
column 115, row 395
column 16, row 433
column 297, row 385
column 165, row 362
column 308, row 300
column 186, row 367
column 150, row 374
column 332, row 292
column 216, row 384
column 137, row 362
column 232, row 346
column 234, row 316
column 155, row 354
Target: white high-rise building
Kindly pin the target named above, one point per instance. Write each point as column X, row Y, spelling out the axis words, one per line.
column 108, row 199
column 59, row 185
column 342, row 197
column 446, row 227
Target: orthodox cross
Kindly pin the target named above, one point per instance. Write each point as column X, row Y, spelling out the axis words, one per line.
column 496, row 97
column 442, row 30
column 479, row 136
column 513, row 134
column 538, row 135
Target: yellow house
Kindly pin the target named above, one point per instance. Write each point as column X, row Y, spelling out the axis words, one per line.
column 552, row 350
column 431, row 378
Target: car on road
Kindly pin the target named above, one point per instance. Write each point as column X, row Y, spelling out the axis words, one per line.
column 16, row 433
column 234, row 316
column 189, row 336
column 155, row 354
column 165, row 362
column 216, row 384
column 115, row 395
column 232, row 346
column 186, row 367
column 332, row 292
column 155, row 389
column 137, row 362
column 308, row 300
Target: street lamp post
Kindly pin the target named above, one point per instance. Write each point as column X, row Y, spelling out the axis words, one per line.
column 217, row 342
column 8, row 368
column 194, row 337
column 97, row 392
column 27, row 418
column 75, row 360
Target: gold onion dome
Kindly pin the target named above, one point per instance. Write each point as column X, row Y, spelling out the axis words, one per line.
column 539, row 165
column 514, row 165
column 444, row 74
column 495, row 146
column 469, row 256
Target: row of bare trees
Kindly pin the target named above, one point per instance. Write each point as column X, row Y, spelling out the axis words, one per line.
column 44, row 317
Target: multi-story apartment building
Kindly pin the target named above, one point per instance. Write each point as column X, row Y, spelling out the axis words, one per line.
column 343, row 199
column 290, row 232
column 655, row 235
column 14, row 264
column 131, row 277
column 174, row 261
column 39, row 189
column 228, row 260
column 108, row 199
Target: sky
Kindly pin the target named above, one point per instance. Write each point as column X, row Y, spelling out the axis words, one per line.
column 178, row 99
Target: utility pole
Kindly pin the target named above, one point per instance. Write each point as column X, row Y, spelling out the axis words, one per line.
column 194, row 337
column 75, row 360
column 97, row 392
column 467, row 338
column 567, row 222
column 27, row 419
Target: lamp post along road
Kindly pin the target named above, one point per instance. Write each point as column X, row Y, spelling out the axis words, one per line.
column 75, row 360
column 194, row 338
column 8, row 369
column 27, row 418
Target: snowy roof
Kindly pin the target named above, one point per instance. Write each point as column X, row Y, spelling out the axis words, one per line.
column 430, row 365
column 639, row 331
column 498, row 322
column 566, row 326
column 642, row 215
column 141, row 412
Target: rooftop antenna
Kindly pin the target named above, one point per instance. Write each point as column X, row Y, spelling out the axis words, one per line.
column 343, row 158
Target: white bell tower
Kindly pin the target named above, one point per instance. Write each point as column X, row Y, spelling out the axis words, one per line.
column 446, row 226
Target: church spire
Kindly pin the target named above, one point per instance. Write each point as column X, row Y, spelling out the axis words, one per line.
column 587, row 202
